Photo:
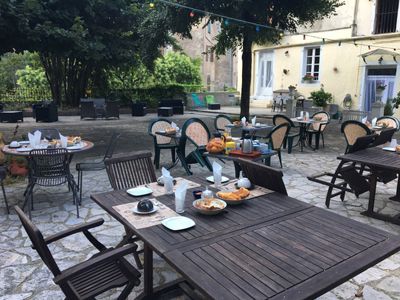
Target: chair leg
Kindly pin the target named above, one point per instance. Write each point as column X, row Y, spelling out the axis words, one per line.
column 173, row 155
column 157, row 158
column 80, row 185
column 317, row 140
column 75, row 197
column 29, row 198
column 126, row 291
column 5, row 197
column 280, row 157
column 323, row 140
column 310, row 139
column 290, row 144
column 285, row 142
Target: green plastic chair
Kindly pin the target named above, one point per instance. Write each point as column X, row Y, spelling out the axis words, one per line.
column 210, row 99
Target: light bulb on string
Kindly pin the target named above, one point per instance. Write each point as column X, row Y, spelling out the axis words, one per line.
column 226, row 22
column 191, row 14
column 340, row 43
column 281, row 34
column 258, row 28
column 152, row 5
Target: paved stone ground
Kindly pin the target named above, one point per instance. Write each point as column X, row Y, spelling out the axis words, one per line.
column 24, row 276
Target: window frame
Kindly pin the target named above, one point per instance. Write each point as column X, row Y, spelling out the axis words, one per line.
column 313, row 63
column 374, row 22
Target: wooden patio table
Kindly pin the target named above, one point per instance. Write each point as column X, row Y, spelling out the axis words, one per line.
column 376, row 159
column 270, row 247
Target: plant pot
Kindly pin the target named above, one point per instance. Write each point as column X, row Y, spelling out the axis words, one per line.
column 18, row 169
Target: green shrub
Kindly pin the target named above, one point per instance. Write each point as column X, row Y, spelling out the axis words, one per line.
column 388, row 109
column 321, row 98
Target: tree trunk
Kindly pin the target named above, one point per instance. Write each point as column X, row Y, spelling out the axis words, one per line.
column 246, row 78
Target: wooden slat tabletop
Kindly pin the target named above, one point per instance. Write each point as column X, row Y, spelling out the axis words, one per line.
column 271, row 247
column 375, row 157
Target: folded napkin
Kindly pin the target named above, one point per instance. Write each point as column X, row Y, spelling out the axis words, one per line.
column 63, row 141
column 180, row 196
column 217, row 173
column 364, row 120
column 307, row 115
column 253, row 121
column 301, row 114
column 34, row 139
column 168, row 181
column 373, row 122
column 243, row 121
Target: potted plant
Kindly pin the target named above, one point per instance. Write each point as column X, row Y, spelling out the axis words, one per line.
column 308, row 78
column 321, row 98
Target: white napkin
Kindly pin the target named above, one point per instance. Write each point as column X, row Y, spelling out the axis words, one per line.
column 307, row 115
column 244, row 121
column 34, row 139
column 373, row 122
column 217, row 173
column 174, row 126
column 253, row 121
column 301, row 114
column 180, row 195
column 168, row 181
column 393, row 143
column 63, row 141
column 364, row 120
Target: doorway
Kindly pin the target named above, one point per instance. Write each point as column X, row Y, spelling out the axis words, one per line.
column 379, row 76
column 264, row 75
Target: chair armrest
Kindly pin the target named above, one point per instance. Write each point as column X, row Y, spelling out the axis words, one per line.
column 70, row 231
column 109, row 255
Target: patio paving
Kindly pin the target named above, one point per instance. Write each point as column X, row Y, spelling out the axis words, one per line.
column 24, row 276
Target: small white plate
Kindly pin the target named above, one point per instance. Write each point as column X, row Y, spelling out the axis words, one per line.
column 389, row 149
column 135, row 210
column 139, row 191
column 23, row 142
column 27, row 149
column 178, row 223
column 223, row 179
column 77, row 146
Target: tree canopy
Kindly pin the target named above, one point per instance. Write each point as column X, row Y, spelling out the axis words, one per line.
column 77, row 38
column 284, row 15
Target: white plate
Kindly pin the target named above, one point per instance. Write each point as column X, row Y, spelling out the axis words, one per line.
column 23, row 142
column 139, row 191
column 24, row 149
column 389, row 149
column 135, row 210
column 178, row 223
column 77, row 146
column 223, row 179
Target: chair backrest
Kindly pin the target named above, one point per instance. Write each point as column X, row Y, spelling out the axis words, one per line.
column 130, row 170
column 353, row 129
column 159, row 125
column 384, row 136
column 362, row 142
column 324, row 116
column 88, row 109
column 221, row 121
column 98, row 102
column 38, row 242
column 282, row 119
column 390, row 121
column 111, row 145
column 197, row 131
column 277, row 135
column 48, row 133
column 263, row 175
column 49, row 164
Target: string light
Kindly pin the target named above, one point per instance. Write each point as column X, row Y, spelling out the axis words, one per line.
column 257, row 25
column 191, row 14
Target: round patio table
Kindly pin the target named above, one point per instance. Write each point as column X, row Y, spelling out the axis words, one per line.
column 13, row 151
